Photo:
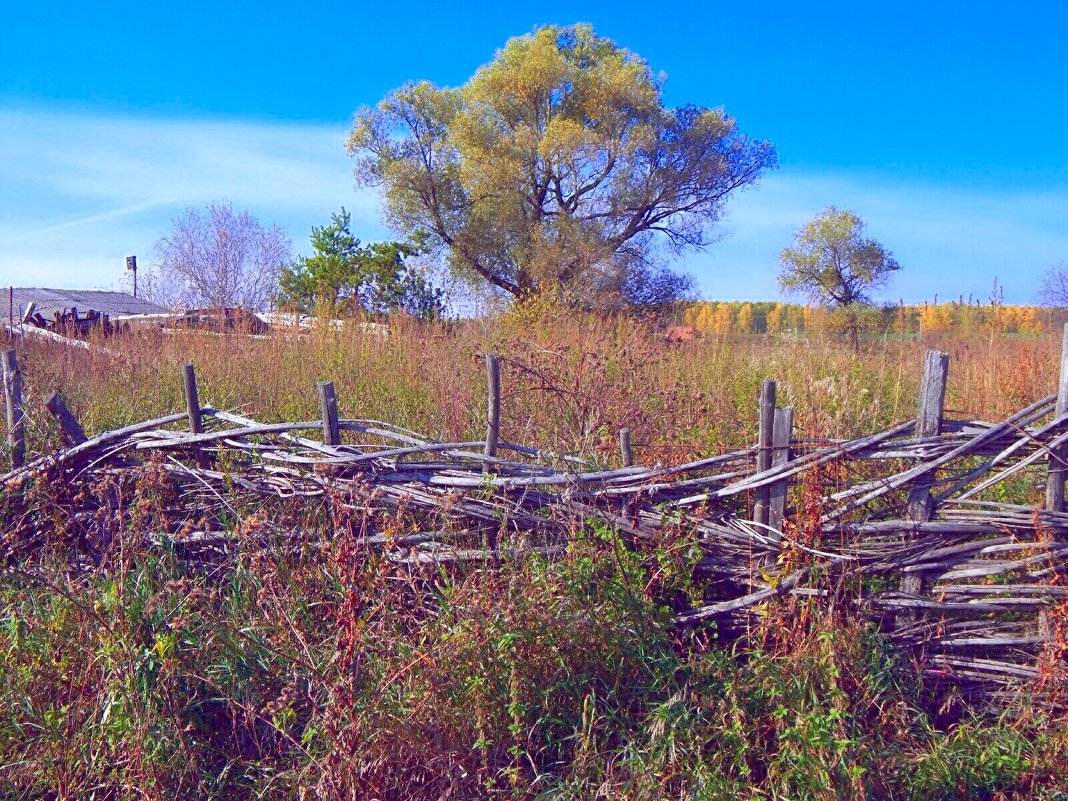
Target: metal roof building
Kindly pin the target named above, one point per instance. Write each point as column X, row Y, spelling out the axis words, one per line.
column 15, row 300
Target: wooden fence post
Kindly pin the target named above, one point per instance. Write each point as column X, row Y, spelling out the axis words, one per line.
column 491, row 536
column 1057, row 457
column 781, row 435
column 68, row 423
column 928, row 424
column 192, row 399
column 493, row 404
column 625, row 448
column 764, row 441
column 328, row 407
column 16, row 419
column 1056, row 471
column 192, row 408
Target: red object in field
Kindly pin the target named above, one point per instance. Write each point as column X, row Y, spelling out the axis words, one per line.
column 680, row 333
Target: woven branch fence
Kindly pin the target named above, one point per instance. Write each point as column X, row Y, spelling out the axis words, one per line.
column 900, row 524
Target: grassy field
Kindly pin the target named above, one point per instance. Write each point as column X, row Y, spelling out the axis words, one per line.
column 298, row 672
column 568, row 382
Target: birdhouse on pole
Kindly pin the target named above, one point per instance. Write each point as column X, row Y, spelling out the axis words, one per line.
column 131, row 265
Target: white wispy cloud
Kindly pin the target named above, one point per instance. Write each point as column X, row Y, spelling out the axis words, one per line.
column 87, row 219
column 79, row 191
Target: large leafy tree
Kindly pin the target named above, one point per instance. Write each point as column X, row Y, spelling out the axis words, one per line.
column 344, row 276
column 556, row 167
column 832, row 263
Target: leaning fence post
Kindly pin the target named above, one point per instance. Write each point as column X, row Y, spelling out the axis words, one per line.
column 928, row 424
column 328, row 408
column 493, row 404
column 1058, row 455
column 68, row 423
column 625, row 448
column 781, row 435
column 764, row 441
column 16, row 429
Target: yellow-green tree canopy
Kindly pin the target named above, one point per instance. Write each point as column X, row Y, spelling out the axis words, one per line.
column 556, row 167
column 832, row 263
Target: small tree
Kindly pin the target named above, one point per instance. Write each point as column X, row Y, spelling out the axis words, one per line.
column 722, row 318
column 1053, row 291
column 775, row 317
column 833, row 264
column 344, row 277
column 220, row 259
column 745, row 319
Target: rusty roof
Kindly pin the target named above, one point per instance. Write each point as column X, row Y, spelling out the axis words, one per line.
column 49, row 301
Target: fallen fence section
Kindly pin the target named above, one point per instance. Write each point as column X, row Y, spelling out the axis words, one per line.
column 904, row 523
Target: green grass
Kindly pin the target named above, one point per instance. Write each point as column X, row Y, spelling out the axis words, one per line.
column 335, row 674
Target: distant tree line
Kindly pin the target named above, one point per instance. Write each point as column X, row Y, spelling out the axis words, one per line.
column 959, row 317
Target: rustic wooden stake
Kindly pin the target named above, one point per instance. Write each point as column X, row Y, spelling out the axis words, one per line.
column 16, row 428
column 764, row 439
column 1055, row 478
column 68, row 423
column 625, row 449
column 928, row 424
column 491, row 539
column 192, row 408
column 192, row 398
column 781, row 436
column 493, row 404
column 328, row 407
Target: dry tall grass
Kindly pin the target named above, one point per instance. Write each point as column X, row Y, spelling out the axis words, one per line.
column 569, row 382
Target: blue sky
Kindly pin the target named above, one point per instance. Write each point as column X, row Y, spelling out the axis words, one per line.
column 944, row 125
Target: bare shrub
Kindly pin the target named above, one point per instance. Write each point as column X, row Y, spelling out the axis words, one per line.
column 219, row 259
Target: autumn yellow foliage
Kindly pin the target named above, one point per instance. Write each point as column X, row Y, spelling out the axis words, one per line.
column 748, row 317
